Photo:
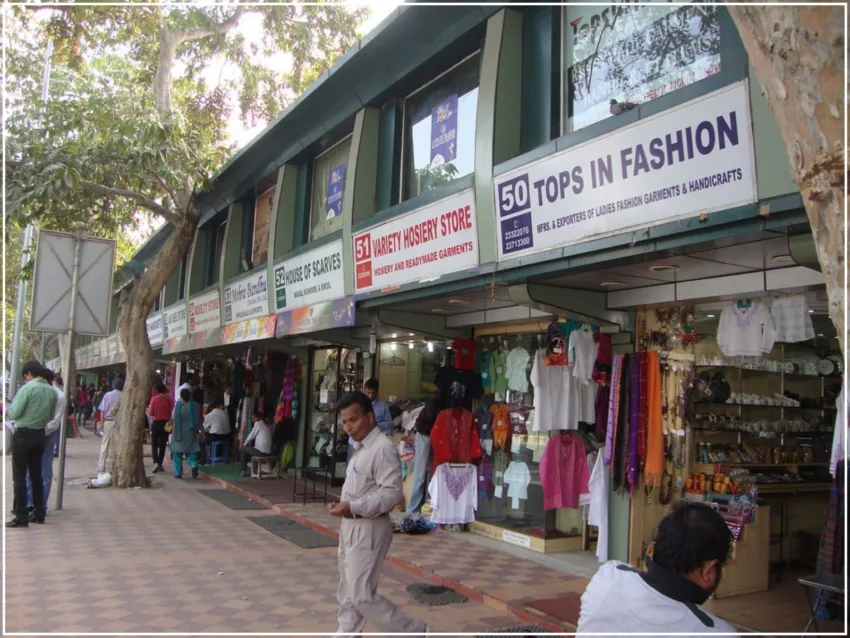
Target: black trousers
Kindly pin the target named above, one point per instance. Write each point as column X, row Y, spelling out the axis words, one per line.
column 159, row 439
column 247, row 453
column 27, row 450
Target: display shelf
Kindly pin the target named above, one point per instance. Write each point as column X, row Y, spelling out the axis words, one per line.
column 760, row 405
column 787, row 375
column 708, row 468
column 741, row 431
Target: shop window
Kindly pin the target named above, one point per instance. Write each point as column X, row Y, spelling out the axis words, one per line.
column 634, row 53
column 181, row 288
column 262, row 216
column 329, row 177
column 439, row 130
column 217, row 253
column 407, row 369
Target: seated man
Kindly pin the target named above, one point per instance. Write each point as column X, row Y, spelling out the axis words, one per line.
column 691, row 546
column 216, row 424
column 261, row 437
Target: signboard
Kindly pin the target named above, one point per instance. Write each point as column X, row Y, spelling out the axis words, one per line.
column 636, row 52
column 444, row 132
column 250, row 330
column 175, row 321
column 204, row 312
column 51, row 294
column 336, row 186
column 156, row 332
column 437, row 239
column 262, row 218
column 693, row 159
column 516, row 539
column 310, row 278
column 323, row 316
column 112, row 346
column 246, row 298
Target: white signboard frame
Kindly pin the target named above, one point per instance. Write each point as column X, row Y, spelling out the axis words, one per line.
column 435, row 240
column 310, row 278
column 155, row 329
column 246, row 298
column 175, row 321
column 635, row 177
column 205, row 312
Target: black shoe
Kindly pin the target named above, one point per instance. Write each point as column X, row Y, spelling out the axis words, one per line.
column 33, row 519
column 156, row 469
column 194, row 472
column 16, row 523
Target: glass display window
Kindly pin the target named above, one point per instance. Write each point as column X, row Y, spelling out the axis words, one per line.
column 408, row 369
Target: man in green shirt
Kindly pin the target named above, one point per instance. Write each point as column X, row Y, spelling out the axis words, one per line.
column 31, row 410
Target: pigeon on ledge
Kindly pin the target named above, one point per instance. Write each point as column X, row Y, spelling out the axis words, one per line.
column 618, row 108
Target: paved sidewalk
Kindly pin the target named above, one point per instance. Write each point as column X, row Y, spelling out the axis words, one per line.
column 171, row 560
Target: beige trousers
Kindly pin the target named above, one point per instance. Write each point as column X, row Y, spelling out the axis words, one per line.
column 105, row 446
column 363, row 544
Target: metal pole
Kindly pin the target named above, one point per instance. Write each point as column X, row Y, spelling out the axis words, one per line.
column 19, row 317
column 42, row 347
column 79, row 238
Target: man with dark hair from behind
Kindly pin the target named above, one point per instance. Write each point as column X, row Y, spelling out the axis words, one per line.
column 31, row 410
column 372, row 488
column 51, row 432
column 692, row 544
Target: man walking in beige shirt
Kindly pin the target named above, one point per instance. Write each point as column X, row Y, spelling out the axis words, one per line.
column 373, row 486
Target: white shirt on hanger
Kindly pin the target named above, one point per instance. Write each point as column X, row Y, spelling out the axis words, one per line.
column 597, row 515
column 791, row 319
column 556, row 402
column 516, row 374
column 582, row 354
column 745, row 331
column 839, row 436
column 517, row 477
column 454, row 494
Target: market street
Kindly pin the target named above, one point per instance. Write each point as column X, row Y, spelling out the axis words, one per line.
column 171, row 560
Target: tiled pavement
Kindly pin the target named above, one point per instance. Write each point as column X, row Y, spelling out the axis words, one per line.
column 170, row 560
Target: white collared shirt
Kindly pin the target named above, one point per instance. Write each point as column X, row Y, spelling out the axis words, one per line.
column 56, row 421
column 373, row 484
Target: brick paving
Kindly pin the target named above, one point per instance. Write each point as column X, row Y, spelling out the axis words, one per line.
column 171, row 560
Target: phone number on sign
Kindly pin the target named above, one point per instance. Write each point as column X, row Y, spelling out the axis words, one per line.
column 516, row 244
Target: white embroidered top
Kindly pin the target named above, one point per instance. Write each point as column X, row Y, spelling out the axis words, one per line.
column 516, row 375
column 454, row 494
column 745, row 331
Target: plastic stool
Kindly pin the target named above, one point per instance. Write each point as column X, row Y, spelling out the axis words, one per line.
column 219, row 452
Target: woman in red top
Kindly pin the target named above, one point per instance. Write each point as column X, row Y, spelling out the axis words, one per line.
column 160, row 411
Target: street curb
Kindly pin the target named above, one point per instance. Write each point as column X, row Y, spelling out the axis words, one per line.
column 535, row 618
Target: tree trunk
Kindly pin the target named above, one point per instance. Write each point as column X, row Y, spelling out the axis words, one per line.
column 128, row 467
column 798, row 56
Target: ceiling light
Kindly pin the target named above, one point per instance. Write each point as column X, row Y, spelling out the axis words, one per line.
column 711, row 316
column 392, row 346
column 612, row 284
column 437, row 310
column 665, row 268
column 409, row 334
column 430, row 346
column 783, row 259
column 820, row 335
column 459, row 302
column 395, row 335
column 811, row 311
column 410, row 346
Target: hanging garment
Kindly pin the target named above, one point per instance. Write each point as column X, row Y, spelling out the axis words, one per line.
column 839, row 435
column 556, row 402
column 599, row 487
column 458, row 388
column 483, row 368
column 501, row 425
column 485, row 478
column 499, row 371
column 453, row 491
column 654, row 465
column 517, row 375
column 464, row 354
column 632, row 459
column 604, row 358
column 454, row 438
column 517, row 478
column 584, row 499
column 582, row 353
column 501, row 460
column 745, row 331
column 563, row 471
column 831, row 551
column 586, row 393
column 791, row 319
column 621, row 441
column 603, row 397
column 613, row 408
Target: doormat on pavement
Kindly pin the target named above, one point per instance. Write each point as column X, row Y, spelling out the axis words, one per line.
column 530, row 631
column 232, row 500
column 434, row 595
column 287, row 529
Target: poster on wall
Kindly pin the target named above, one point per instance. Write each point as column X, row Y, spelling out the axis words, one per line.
column 155, row 329
column 635, row 53
column 204, row 312
column 310, row 278
column 262, row 218
column 246, row 298
column 694, row 159
column 322, row 316
column 336, row 186
column 435, row 240
column 444, row 132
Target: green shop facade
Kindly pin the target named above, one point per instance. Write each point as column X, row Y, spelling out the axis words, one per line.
column 461, row 173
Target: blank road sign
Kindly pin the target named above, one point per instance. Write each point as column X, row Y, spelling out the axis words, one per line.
column 51, row 294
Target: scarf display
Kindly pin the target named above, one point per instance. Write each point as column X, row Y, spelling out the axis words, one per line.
column 632, row 459
column 621, row 439
column 613, row 409
column 654, row 465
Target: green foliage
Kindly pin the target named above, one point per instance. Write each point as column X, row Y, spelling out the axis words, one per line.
column 431, row 177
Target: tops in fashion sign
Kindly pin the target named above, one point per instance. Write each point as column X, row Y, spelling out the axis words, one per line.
column 246, row 298
column 694, row 159
column 429, row 242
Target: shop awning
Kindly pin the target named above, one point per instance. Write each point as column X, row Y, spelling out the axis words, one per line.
column 248, row 330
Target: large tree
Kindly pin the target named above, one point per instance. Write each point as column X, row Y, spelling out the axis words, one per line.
column 798, row 56
column 133, row 123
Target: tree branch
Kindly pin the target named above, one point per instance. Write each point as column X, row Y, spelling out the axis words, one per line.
column 166, row 187
column 140, row 199
column 222, row 27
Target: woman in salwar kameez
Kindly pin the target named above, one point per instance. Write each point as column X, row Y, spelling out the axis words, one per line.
column 186, row 424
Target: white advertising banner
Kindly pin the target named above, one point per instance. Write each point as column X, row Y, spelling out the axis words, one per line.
column 690, row 160
column 426, row 243
column 204, row 312
column 313, row 277
column 246, row 298
column 155, row 329
column 175, row 322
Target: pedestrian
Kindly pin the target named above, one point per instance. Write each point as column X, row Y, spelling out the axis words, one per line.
column 261, row 437
column 51, row 445
column 83, row 406
column 186, row 420
column 372, row 488
column 98, row 416
column 160, row 409
column 692, row 544
column 31, row 410
column 109, row 412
